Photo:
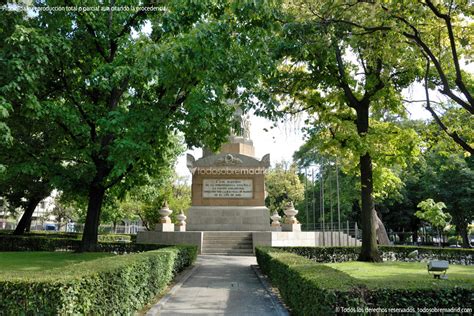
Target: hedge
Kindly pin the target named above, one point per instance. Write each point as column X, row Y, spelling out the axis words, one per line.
column 311, row 288
column 112, row 285
column 70, row 235
column 306, row 287
column 46, row 243
column 390, row 253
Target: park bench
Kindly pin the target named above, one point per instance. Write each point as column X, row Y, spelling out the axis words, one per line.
column 438, row 268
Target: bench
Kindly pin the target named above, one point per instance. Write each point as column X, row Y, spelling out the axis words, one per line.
column 438, row 268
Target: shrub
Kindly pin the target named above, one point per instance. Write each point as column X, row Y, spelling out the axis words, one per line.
column 115, row 238
column 311, row 288
column 47, row 243
column 306, row 287
column 390, row 253
column 37, row 243
column 112, row 285
column 453, row 255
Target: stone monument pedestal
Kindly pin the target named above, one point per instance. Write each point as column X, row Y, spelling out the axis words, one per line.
column 291, row 227
column 164, row 227
column 180, row 228
column 228, row 218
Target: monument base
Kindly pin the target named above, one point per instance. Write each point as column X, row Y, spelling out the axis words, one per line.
column 228, row 218
column 291, row 227
column 206, row 241
column 164, row 227
column 180, row 228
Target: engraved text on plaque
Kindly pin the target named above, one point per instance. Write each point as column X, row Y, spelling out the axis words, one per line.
column 227, row 188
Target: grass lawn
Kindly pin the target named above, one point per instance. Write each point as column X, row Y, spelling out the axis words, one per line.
column 31, row 262
column 404, row 274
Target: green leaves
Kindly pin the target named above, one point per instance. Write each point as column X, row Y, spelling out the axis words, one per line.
column 432, row 212
column 283, row 185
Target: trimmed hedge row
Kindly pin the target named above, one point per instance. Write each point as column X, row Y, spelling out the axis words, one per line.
column 113, row 285
column 69, row 235
column 306, row 287
column 37, row 243
column 46, row 243
column 310, row 288
column 390, row 253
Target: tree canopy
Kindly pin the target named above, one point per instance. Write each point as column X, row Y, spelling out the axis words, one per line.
column 120, row 94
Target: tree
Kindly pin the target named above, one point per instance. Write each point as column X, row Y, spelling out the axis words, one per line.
column 441, row 33
column 432, row 213
column 346, row 82
column 120, row 97
column 282, row 185
column 442, row 172
column 145, row 201
column 30, row 162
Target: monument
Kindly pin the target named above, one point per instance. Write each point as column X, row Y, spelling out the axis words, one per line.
column 228, row 213
column 228, row 188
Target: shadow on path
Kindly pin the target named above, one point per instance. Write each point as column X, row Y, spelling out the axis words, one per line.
column 221, row 285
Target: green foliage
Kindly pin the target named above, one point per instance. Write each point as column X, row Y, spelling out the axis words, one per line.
column 282, row 185
column 146, row 200
column 306, row 287
column 115, row 238
column 311, row 288
column 117, row 97
column 56, row 242
column 390, row 253
column 432, row 212
column 443, row 172
column 113, row 285
column 37, row 243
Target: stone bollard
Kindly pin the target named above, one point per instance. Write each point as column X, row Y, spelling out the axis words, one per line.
column 165, row 224
column 181, row 226
column 291, row 223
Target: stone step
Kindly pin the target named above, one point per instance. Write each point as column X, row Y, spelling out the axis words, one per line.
column 227, row 239
column 227, row 251
column 226, row 235
column 250, row 254
column 206, row 247
column 228, row 242
column 216, row 239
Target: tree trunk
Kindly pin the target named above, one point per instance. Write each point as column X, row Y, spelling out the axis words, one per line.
column 25, row 221
column 463, row 231
column 439, row 238
column 369, row 251
column 91, row 226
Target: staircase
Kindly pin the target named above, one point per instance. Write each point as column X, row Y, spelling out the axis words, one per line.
column 227, row 243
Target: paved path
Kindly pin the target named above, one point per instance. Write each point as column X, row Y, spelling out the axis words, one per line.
column 220, row 285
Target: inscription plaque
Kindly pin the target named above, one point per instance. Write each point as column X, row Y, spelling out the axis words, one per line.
column 227, row 188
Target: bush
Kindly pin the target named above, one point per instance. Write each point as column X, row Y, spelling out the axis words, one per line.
column 115, row 238
column 47, row 243
column 37, row 243
column 112, row 285
column 453, row 255
column 390, row 253
column 306, row 287
column 311, row 288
